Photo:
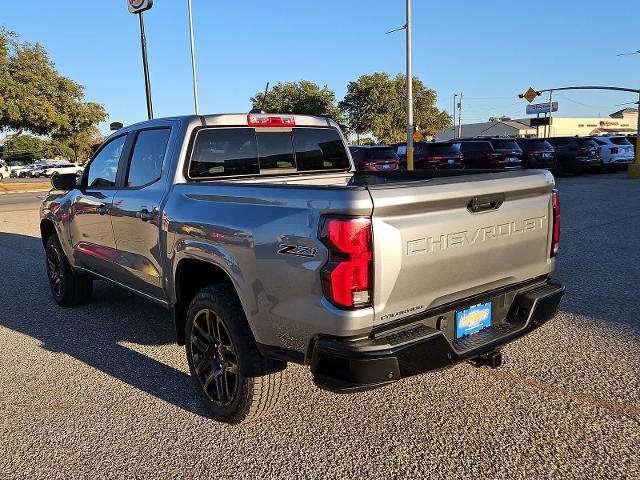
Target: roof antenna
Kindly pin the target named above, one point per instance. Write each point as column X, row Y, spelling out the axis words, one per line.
column 264, row 102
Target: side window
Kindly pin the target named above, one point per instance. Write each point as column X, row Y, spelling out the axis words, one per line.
column 221, row 152
column 275, row 150
column 148, row 156
column 319, row 149
column 104, row 166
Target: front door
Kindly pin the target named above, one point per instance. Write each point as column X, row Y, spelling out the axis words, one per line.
column 94, row 245
column 135, row 215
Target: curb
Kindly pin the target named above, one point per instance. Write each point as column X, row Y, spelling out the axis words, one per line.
column 25, row 191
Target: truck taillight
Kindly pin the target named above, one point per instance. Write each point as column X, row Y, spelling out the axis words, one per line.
column 268, row 120
column 347, row 277
column 555, row 238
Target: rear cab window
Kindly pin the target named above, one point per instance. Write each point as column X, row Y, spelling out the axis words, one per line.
column 223, row 151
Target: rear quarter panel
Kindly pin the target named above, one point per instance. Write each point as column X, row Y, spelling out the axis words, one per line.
column 240, row 228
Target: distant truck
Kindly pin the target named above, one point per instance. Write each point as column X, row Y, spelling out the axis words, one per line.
column 266, row 246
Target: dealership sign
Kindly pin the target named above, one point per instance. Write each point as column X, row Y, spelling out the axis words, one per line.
column 139, row 6
column 541, row 108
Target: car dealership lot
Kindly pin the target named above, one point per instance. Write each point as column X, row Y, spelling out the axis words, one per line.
column 102, row 389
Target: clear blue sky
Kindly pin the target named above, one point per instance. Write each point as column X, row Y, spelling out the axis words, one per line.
column 489, row 50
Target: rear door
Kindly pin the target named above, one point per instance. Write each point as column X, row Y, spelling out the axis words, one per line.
column 432, row 246
column 136, row 211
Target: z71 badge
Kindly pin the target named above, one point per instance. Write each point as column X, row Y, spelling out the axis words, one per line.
column 298, row 251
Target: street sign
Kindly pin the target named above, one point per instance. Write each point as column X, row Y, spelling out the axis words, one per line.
column 531, row 95
column 541, row 108
column 417, row 136
column 540, row 122
column 139, row 6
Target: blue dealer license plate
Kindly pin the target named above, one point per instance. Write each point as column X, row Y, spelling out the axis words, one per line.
column 473, row 319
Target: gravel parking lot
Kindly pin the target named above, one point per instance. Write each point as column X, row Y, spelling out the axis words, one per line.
column 101, row 391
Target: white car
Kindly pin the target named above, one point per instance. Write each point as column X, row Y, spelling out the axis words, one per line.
column 615, row 151
column 62, row 168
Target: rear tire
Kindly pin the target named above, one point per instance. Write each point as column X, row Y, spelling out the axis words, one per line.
column 67, row 287
column 235, row 382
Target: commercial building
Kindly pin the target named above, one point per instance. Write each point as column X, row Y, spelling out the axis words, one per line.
column 622, row 122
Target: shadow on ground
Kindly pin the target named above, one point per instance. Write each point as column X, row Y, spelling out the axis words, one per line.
column 91, row 333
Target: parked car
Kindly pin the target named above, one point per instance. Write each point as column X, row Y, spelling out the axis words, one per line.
column 37, row 170
column 615, row 152
column 63, row 168
column 5, row 170
column 432, row 155
column 374, row 158
column 502, row 153
column 537, row 153
column 265, row 246
column 575, row 154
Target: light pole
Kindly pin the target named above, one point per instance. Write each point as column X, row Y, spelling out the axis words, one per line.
column 145, row 66
column 193, row 60
column 460, row 117
column 409, row 92
column 455, row 106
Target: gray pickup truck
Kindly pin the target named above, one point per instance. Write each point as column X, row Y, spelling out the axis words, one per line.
column 266, row 246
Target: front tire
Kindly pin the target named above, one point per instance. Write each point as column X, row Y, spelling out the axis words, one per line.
column 68, row 288
column 235, row 382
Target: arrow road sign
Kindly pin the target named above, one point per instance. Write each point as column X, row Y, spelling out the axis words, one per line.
column 531, row 94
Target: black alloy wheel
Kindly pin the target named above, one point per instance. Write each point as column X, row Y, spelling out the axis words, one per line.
column 54, row 270
column 214, row 357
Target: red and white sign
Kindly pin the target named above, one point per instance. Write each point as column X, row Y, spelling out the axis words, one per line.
column 139, row 6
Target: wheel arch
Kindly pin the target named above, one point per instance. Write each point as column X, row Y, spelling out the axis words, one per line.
column 47, row 229
column 192, row 275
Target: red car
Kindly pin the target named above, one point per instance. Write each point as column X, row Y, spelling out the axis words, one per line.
column 375, row 158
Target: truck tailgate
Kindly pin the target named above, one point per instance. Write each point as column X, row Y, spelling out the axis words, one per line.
column 441, row 240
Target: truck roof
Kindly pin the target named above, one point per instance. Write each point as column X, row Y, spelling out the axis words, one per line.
column 239, row 119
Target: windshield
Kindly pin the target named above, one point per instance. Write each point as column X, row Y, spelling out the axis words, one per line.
column 537, row 144
column 381, row 154
column 620, row 141
column 505, row 145
column 439, row 148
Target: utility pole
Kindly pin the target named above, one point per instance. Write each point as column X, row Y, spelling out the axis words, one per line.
column 193, row 60
column 550, row 111
column 455, row 106
column 634, row 170
column 460, row 117
column 409, row 92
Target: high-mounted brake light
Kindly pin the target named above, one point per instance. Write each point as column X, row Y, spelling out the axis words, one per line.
column 555, row 238
column 347, row 276
column 268, row 120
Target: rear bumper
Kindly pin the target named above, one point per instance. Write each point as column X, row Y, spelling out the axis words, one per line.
column 342, row 365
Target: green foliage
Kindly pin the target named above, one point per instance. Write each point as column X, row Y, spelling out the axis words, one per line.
column 36, row 98
column 304, row 98
column 376, row 104
column 27, row 149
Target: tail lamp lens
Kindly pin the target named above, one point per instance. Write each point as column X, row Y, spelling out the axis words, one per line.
column 347, row 276
column 555, row 239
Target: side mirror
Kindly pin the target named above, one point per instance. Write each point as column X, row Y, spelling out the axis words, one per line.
column 64, row 181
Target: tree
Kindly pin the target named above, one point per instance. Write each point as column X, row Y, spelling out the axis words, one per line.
column 27, row 149
column 376, row 104
column 503, row 118
column 303, row 97
column 35, row 97
column 23, row 148
column 80, row 133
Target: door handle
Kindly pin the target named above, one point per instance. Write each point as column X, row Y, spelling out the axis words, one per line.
column 145, row 215
column 102, row 209
column 486, row 203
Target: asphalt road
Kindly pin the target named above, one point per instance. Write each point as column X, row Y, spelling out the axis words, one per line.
column 101, row 391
